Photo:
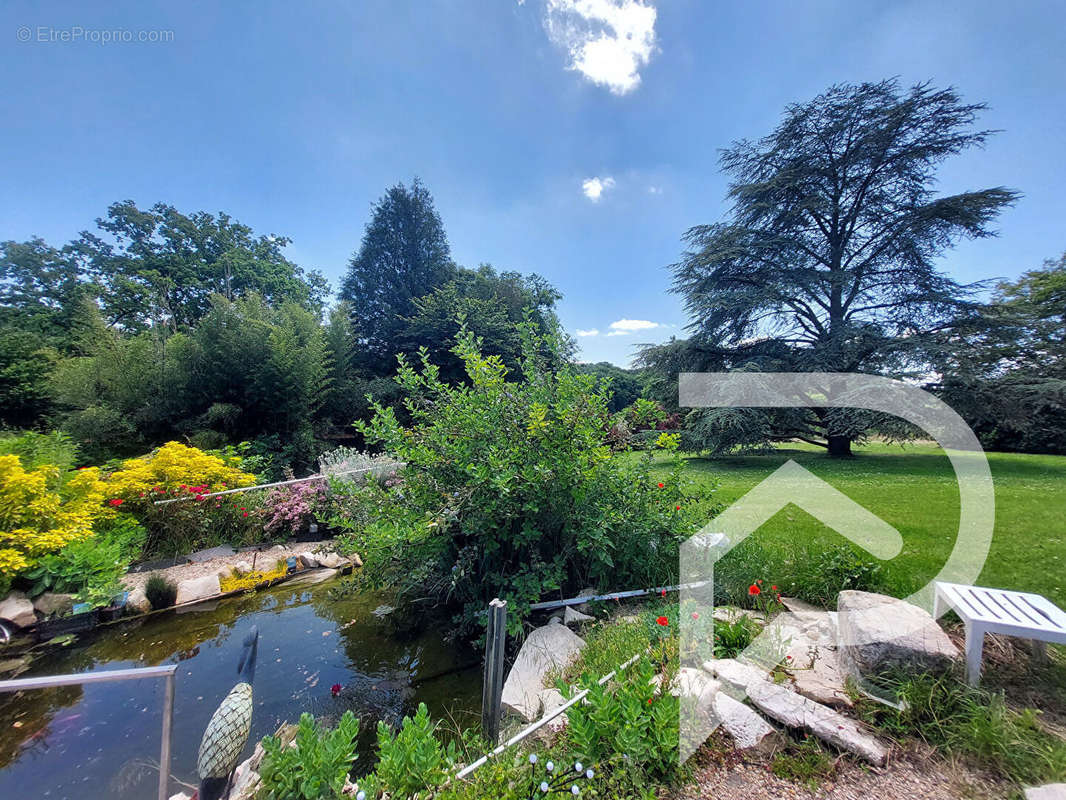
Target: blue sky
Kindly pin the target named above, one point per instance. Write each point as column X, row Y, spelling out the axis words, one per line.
column 584, row 163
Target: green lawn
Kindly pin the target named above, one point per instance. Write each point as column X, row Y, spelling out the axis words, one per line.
column 914, row 489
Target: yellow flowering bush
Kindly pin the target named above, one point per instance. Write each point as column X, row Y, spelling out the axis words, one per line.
column 40, row 513
column 176, row 468
column 187, row 475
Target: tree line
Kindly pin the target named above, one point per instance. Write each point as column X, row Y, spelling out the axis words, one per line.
column 164, row 325
column 160, row 324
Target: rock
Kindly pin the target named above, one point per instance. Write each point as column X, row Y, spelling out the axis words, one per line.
column 551, row 699
column 787, row 707
column 747, row 728
column 355, row 560
column 242, row 567
column 547, row 648
column 878, row 633
column 17, row 608
column 53, row 604
column 735, row 674
column 312, row 577
column 309, row 560
column 224, row 574
column 193, row 589
column 222, row 551
column 584, row 607
column 1053, row 791
column 811, row 655
column 705, row 707
column 572, row 617
column 332, row 560
column 180, row 796
column 138, row 601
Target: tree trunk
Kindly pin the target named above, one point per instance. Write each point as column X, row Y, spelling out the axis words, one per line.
column 839, row 446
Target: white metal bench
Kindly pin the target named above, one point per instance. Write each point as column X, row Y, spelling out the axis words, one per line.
column 1028, row 616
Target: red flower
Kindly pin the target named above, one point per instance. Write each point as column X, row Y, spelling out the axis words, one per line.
column 695, row 615
column 754, row 590
column 115, row 501
column 662, row 593
column 245, row 514
column 679, row 508
column 759, row 581
column 773, row 588
column 662, row 485
column 662, row 621
column 649, row 701
column 335, row 689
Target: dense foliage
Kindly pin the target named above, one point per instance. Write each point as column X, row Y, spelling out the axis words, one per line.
column 521, row 495
column 315, row 766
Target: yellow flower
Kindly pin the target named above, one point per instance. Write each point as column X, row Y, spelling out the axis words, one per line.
column 39, row 514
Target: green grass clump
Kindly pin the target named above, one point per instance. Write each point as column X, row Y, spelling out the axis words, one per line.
column 160, row 592
column 974, row 724
column 804, row 762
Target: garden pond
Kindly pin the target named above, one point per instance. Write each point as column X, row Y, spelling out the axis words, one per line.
column 102, row 741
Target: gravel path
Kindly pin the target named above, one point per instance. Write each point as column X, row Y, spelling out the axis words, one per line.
column 914, row 776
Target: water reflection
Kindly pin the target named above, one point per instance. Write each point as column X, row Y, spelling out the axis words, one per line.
column 102, row 741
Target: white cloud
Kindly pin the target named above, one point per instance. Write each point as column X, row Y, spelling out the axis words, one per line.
column 655, row 190
column 623, row 326
column 594, row 187
column 608, row 41
column 592, row 332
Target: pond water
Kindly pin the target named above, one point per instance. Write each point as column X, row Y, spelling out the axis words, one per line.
column 102, row 741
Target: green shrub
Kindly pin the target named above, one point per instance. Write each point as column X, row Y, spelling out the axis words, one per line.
column 518, row 488
column 409, row 761
column 316, row 767
column 627, row 719
column 160, row 592
column 91, row 568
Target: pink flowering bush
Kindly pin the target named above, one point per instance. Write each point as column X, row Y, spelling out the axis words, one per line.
column 287, row 509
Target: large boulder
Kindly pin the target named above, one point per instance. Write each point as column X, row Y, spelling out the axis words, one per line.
column 310, row 562
column 877, row 633
column 574, row 617
column 18, row 608
column 547, row 649
column 194, row 589
column 53, row 604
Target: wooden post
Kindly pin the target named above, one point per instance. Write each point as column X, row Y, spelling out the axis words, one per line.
column 492, row 692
